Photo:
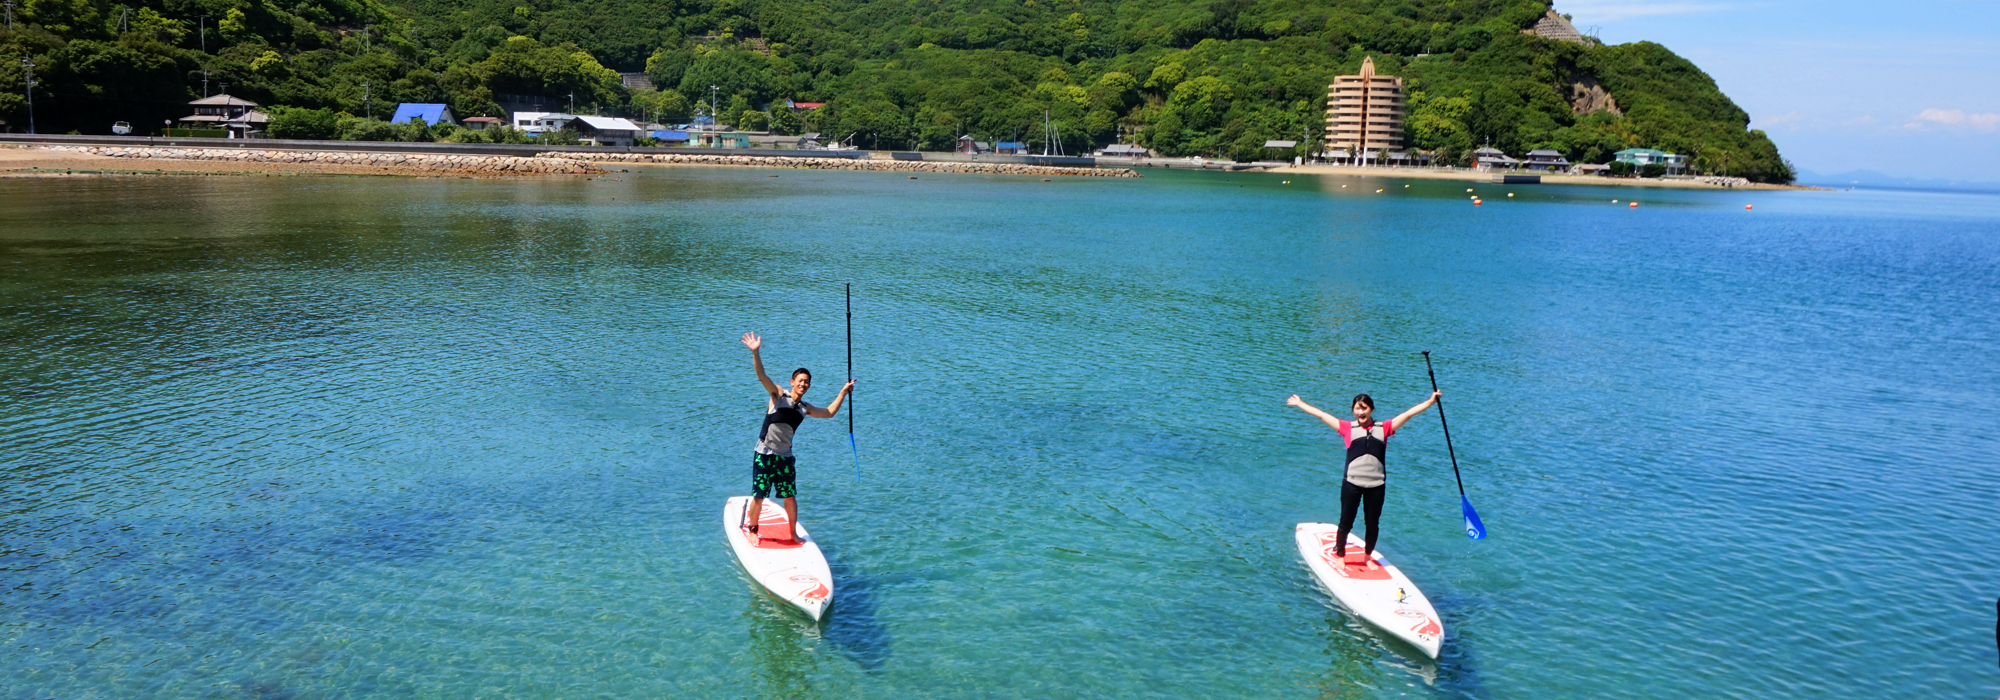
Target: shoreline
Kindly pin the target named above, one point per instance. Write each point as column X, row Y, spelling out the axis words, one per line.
column 1547, row 179
column 40, row 161
column 61, row 160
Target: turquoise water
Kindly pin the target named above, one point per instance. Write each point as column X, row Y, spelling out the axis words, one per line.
column 341, row 437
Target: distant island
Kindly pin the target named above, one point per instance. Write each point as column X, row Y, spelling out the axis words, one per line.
column 1221, row 79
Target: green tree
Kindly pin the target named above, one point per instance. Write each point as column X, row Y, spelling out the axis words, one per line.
column 665, row 106
column 301, row 123
column 785, row 120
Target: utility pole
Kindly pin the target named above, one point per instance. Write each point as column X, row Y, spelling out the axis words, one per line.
column 572, row 103
column 203, row 30
column 365, row 108
column 28, row 74
column 10, row 15
column 204, row 82
column 714, row 117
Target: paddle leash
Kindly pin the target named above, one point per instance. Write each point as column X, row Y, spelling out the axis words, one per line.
column 851, row 445
column 1473, row 528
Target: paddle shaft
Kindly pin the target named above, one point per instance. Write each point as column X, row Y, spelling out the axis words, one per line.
column 850, row 360
column 1447, row 426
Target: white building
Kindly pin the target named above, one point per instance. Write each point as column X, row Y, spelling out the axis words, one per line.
column 605, row 131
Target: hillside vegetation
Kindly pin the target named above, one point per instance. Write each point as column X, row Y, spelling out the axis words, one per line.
column 1216, row 78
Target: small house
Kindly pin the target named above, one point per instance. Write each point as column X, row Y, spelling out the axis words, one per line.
column 605, row 131
column 671, row 137
column 479, row 123
column 1490, row 158
column 541, row 122
column 235, row 117
column 1124, row 150
column 1011, row 148
column 1641, row 157
column 430, row 113
column 721, row 139
column 967, row 145
column 1547, row 159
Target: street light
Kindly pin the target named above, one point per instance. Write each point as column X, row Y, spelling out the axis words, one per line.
column 28, row 72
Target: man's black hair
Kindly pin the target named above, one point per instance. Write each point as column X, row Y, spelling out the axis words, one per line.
column 802, row 370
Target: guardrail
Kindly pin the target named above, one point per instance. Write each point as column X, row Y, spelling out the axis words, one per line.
column 482, row 149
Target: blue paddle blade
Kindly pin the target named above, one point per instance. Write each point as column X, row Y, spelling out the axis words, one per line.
column 1473, row 528
column 857, row 455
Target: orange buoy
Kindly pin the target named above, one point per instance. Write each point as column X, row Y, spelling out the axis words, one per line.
column 1478, row 202
column 1633, row 205
column 1746, row 207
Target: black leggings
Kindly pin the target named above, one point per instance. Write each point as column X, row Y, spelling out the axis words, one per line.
column 1370, row 500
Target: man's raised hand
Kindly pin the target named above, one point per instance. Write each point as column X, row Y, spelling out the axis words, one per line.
column 753, row 342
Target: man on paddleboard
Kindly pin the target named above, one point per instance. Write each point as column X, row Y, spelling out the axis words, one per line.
column 772, row 470
column 1366, row 480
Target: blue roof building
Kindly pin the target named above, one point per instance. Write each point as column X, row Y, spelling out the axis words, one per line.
column 430, row 113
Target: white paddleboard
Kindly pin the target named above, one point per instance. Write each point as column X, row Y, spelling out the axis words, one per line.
column 1382, row 597
column 794, row 571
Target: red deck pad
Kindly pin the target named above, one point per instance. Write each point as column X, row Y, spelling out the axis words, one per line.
column 771, row 525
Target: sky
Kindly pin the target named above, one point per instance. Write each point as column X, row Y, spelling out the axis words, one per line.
column 1910, row 89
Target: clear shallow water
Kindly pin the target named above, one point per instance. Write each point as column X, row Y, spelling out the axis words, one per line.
column 330, row 437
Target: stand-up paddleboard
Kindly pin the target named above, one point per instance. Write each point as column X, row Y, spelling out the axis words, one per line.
column 794, row 571
column 1382, row 597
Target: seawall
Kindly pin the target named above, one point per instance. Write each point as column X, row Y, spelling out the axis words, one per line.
column 910, row 166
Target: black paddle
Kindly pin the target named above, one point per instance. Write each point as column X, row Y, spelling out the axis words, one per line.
column 850, row 377
column 1473, row 528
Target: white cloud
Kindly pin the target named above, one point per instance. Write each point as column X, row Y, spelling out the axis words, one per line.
column 1983, row 121
column 1792, row 117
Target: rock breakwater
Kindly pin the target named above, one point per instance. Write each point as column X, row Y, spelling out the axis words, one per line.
column 403, row 162
column 908, row 166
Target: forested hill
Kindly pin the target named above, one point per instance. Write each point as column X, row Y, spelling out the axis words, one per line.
column 1216, row 78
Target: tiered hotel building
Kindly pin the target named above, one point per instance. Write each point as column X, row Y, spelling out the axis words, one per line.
column 1364, row 112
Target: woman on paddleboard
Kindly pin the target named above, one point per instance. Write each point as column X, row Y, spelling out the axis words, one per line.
column 1365, row 483
column 772, row 469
